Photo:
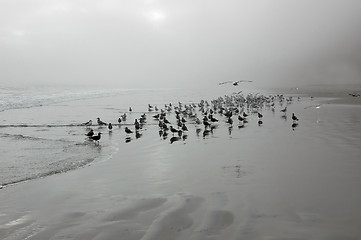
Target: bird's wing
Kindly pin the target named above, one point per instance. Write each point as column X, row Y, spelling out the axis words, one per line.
column 224, row 82
column 243, row 81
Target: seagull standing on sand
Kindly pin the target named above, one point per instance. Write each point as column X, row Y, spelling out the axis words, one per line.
column 184, row 127
column 136, row 124
column 100, row 122
column 230, row 120
column 128, row 131
column 88, row 123
column 110, row 127
column 173, row 130
column 234, row 83
column 90, row 133
column 284, row 110
column 294, row 118
column 96, row 138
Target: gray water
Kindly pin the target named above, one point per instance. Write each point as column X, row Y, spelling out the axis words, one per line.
column 41, row 129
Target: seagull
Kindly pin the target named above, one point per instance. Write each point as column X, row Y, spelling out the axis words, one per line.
column 138, row 134
column 230, row 120
column 136, row 124
column 294, row 118
column 174, row 139
column 88, row 123
column 234, row 83
column 128, row 131
column 101, row 122
column 173, row 130
column 119, row 120
column 110, row 126
column 212, row 118
column 206, row 123
column 96, row 138
column 284, row 110
column 90, row 133
column 259, row 115
column 354, row 94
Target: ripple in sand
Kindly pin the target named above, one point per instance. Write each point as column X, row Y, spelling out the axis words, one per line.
column 135, row 209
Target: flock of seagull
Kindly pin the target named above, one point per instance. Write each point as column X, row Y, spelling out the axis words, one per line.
column 202, row 115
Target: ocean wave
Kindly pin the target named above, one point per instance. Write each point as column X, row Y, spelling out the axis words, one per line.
column 28, row 98
column 31, row 138
column 37, row 157
column 58, row 168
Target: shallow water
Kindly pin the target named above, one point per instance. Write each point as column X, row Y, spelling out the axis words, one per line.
column 272, row 181
column 42, row 132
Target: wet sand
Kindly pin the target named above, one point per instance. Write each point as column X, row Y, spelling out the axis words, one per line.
column 256, row 182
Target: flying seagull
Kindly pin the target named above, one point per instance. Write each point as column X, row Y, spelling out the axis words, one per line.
column 234, row 83
column 354, row 94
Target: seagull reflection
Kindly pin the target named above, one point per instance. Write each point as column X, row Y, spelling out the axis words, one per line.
column 174, row 139
column 128, row 139
column 230, row 130
column 198, row 131
column 206, row 133
column 165, row 135
column 294, row 125
column 137, row 134
column 185, row 137
column 240, row 126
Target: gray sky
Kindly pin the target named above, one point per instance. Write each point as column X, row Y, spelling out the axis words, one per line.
column 154, row 43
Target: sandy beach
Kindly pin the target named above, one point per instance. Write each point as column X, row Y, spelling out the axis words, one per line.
column 274, row 181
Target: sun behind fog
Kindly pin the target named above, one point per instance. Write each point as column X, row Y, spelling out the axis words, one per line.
column 156, row 15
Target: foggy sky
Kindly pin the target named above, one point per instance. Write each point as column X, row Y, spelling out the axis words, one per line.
column 154, row 43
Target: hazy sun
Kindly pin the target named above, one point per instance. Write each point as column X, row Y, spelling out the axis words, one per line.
column 156, row 15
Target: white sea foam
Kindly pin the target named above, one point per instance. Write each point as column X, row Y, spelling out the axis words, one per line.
column 16, row 98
